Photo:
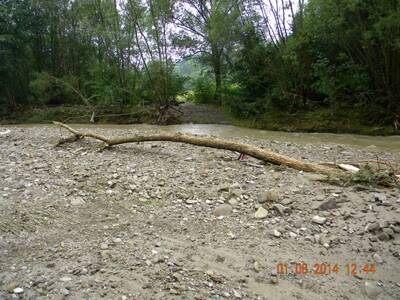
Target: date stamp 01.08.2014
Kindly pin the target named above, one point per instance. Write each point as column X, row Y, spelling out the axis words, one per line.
column 320, row 269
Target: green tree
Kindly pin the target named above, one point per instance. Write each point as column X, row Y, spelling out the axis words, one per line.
column 208, row 27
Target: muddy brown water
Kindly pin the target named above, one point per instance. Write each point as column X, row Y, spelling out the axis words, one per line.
column 379, row 143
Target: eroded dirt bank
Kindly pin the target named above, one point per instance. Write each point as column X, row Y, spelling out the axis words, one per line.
column 163, row 220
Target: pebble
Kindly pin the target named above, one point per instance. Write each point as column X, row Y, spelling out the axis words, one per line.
column 103, row 246
column 297, row 222
column 274, row 280
column 380, row 197
column 65, row 291
column 384, row 224
column 372, row 290
column 268, row 196
column 388, row 231
column 261, row 213
column 77, row 201
column 236, row 294
column 371, row 227
column 276, row 233
column 256, row 266
column 377, row 258
column 65, row 279
column 383, row 236
column 191, row 201
column 328, row 204
column 223, row 210
column 281, row 209
column 319, row 220
column 233, row 202
column 18, row 290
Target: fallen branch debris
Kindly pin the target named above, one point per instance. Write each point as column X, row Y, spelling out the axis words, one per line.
column 211, row 142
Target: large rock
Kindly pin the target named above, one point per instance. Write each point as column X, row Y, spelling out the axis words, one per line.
column 223, row 210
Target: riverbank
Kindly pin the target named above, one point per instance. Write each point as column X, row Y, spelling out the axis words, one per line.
column 170, row 221
column 318, row 120
column 322, row 120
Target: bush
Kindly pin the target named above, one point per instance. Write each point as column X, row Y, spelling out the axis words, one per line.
column 108, row 87
column 49, row 90
column 204, row 89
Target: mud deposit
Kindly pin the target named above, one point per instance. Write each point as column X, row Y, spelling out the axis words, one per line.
column 173, row 221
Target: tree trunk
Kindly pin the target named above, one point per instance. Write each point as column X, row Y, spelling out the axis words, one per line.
column 211, row 142
column 218, row 85
column 216, row 63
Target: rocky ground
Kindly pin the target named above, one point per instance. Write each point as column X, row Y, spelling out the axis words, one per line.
column 172, row 221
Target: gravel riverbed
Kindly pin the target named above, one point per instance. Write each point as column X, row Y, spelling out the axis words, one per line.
column 173, row 221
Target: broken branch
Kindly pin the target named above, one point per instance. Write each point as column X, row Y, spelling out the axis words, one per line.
column 211, row 142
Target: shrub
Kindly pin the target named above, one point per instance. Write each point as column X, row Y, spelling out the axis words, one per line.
column 204, row 89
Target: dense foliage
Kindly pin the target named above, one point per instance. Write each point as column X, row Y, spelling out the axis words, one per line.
column 256, row 57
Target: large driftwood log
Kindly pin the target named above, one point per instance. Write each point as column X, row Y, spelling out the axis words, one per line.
column 211, row 142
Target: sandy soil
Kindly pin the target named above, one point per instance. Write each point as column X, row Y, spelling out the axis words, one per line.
column 173, row 221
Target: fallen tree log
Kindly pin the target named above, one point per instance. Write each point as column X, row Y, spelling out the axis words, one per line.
column 210, row 142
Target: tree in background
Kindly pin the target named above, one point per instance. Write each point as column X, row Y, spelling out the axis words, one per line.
column 263, row 56
column 209, row 28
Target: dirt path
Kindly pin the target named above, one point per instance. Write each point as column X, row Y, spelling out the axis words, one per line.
column 172, row 221
column 201, row 114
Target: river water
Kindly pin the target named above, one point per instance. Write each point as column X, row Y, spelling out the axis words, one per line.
column 378, row 143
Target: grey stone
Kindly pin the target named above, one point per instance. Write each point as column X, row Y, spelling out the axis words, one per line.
column 281, row 209
column 268, row 196
column 388, row 231
column 276, row 233
column 328, row 204
column 191, row 201
column 261, row 213
column 384, row 224
column 224, row 188
column 377, row 258
column 65, row 279
column 298, row 222
column 65, row 291
column 223, row 210
column 103, row 246
column 319, row 220
column 117, row 240
column 256, row 266
column 233, row 202
column 395, row 228
column 77, row 201
column 18, row 290
column 380, row 197
column 236, row 294
column 235, row 193
column 372, row 290
column 371, row 227
column 383, row 236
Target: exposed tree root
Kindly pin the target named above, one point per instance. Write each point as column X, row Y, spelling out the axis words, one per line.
column 211, row 142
